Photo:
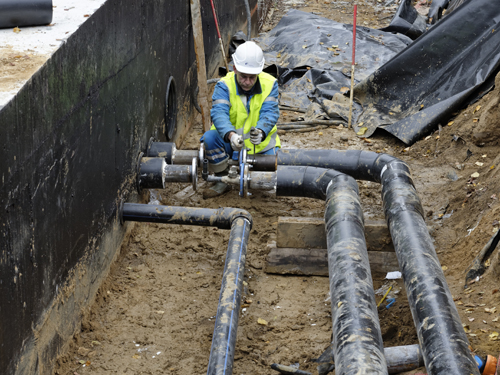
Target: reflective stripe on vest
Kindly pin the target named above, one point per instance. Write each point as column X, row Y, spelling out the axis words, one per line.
column 243, row 120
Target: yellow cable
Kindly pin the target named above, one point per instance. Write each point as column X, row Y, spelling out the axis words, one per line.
column 385, row 295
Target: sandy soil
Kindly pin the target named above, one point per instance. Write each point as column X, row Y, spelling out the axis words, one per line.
column 155, row 312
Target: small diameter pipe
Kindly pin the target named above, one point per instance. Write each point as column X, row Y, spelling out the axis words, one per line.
column 226, row 324
column 357, row 337
column 444, row 344
column 240, row 222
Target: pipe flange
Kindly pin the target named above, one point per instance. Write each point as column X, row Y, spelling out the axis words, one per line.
column 242, row 158
column 201, row 154
column 150, row 143
column 194, row 174
column 138, row 171
column 244, row 180
column 120, row 211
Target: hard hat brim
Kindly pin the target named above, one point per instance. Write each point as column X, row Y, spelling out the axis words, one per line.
column 247, row 70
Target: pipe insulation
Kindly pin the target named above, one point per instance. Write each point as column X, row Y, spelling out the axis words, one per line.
column 25, row 13
column 240, row 222
column 357, row 338
column 445, row 347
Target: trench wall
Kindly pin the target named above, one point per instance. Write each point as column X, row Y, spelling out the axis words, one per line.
column 69, row 141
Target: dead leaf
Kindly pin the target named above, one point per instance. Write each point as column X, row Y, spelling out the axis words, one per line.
column 339, row 304
column 344, row 89
column 136, row 356
column 444, row 268
column 471, row 319
column 491, row 311
column 362, row 130
column 16, row 29
column 320, row 133
column 304, row 46
column 451, row 123
column 479, row 164
column 278, row 55
column 475, row 120
column 477, row 109
column 494, row 336
column 262, row 322
column 466, row 328
column 475, row 175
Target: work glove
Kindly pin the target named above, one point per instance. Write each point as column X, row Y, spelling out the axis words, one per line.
column 256, row 136
column 236, row 142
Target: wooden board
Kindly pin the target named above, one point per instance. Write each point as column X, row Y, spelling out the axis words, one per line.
column 199, row 49
column 309, row 232
column 314, row 262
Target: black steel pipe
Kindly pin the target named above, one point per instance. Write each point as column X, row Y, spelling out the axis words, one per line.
column 226, row 324
column 153, row 173
column 150, row 173
column 357, row 339
column 170, row 153
column 240, row 222
column 221, row 218
column 25, row 13
column 263, row 162
column 444, row 344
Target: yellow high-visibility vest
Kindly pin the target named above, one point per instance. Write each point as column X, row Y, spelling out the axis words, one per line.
column 243, row 120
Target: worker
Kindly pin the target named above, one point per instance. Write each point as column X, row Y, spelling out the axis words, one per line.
column 244, row 114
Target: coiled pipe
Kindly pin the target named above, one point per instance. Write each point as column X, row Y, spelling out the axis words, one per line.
column 357, row 339
column 240, row 222
column 445, row 346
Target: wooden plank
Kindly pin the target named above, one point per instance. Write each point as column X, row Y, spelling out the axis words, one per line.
column 309, row 232
column 199, row 49
column 314, row 262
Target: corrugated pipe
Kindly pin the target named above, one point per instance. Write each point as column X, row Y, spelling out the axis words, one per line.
column 445, row 346
column 240, row 222
column 357, row 340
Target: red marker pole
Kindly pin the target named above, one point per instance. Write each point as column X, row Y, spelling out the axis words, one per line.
column 353, row 63
column 218, row 34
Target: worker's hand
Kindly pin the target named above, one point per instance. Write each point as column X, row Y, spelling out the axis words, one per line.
column 256, row 136
column 236, row 142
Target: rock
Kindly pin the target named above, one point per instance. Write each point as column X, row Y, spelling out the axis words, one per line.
column 344, row 138
column 83, row 352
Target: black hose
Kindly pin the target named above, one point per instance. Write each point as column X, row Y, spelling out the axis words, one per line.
column 357, row 339
column 25, row 13
column 228, row 310
column 445, row 346
column 240, row 223
column 221, row 218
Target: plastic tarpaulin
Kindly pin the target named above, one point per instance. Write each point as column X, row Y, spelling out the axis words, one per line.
column 427, row 82
column 312, row 55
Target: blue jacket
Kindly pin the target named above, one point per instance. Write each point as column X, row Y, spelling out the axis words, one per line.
column 269, row 113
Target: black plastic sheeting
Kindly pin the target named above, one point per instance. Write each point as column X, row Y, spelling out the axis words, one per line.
column 303, row 40
column 25, row 13
column 407, row 21
column 402, row 86
column 443, row 70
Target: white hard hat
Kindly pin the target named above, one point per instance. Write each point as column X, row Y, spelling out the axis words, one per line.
column 249, row 58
